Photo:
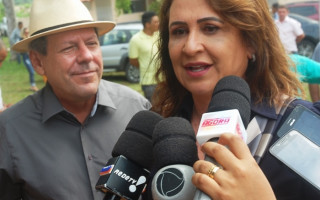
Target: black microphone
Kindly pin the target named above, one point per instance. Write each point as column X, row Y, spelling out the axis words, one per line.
column 229, row 111
column 126, row 174
column 175, row 152
column 232, row 92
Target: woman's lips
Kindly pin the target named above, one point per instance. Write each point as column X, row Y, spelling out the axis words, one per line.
column 197, row 69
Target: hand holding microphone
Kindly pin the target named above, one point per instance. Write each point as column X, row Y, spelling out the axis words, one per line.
column 240, row 176
column 229, row 170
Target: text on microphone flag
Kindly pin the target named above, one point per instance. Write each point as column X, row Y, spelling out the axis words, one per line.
column 215, row 122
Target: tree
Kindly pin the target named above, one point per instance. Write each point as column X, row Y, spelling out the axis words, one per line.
column 123, row 6
column 10, row 15
column 155, row 6
column 2, row 13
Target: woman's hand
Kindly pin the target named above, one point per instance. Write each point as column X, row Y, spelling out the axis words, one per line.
column 240, row 176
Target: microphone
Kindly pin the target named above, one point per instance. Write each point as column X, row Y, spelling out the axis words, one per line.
column 126, row 174
column 229, row 111
column 175, row 152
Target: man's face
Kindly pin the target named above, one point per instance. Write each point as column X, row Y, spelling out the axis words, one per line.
column 20, row 26
column 282, row 12
column 73, row 64
column 154, row 23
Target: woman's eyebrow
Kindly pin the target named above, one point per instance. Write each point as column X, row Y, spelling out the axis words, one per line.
column 198, row 21
column 177, row 23
column 210, row 19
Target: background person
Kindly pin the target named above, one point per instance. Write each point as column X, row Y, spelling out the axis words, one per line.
column 290, row 31
column 308, row 71
column 314, row 88
column 15, row 37
column 142, row 49
column 27, row 62
column 54, row 142
column 204, row 41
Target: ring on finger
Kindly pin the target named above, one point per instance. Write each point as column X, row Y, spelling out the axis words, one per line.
column 213, row 170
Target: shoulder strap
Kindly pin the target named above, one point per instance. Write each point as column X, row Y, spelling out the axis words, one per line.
column 260, row 130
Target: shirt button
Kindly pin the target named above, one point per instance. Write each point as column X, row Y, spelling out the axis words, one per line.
column 90, row 157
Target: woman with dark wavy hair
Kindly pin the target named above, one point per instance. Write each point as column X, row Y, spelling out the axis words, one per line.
column 202, row 42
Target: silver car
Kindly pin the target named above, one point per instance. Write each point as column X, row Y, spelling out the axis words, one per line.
column 114, row 47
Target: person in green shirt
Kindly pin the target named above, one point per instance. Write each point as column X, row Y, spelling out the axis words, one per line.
column 309, row 72
column 308, row 69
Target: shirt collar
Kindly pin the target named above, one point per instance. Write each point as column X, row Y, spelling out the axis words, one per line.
column 263, row 109
column 52, row 106
column 103, row 96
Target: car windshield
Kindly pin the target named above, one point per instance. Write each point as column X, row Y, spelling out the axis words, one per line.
column 118, row 36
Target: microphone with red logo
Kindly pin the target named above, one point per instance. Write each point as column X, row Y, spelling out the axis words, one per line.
column 126, row 174
column 175, row 152
column 228, row 112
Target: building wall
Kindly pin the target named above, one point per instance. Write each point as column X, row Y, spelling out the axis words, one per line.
column 106, row 10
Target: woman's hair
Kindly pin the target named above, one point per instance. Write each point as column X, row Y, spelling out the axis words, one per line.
column 269, row 76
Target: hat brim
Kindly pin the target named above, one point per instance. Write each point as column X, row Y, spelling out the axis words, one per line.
column 101, row 26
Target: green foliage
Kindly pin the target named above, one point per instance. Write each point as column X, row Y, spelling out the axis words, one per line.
column 24, row 10
column 17, row 2
column 2, row 12
column 123, row 6
column 155, row 6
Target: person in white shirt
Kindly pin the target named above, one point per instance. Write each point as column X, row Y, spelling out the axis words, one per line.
column 289, row 29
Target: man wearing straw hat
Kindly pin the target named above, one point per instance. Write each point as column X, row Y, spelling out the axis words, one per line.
column 54, row 143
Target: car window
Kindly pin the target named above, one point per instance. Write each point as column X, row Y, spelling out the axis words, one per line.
column 113, row 37
column 118, row 37
column 305, row 11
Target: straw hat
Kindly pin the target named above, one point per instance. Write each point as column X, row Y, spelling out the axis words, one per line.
column 53, row 16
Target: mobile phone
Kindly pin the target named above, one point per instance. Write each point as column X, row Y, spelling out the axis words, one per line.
column 304, row 121
column 300, row 154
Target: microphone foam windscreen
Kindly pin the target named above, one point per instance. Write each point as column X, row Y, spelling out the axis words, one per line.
column 232, row 92
column 135, row 143
column 174, row 142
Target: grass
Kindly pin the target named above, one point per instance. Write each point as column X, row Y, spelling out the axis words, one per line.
column 14, row 81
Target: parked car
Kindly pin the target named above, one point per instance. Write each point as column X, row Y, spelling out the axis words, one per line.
column 114, row 47
column 305, row 8
column 311, row 31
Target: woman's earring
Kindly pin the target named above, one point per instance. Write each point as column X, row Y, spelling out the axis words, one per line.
column 253, row 59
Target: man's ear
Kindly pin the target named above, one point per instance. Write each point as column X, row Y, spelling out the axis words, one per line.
column 36, row 60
